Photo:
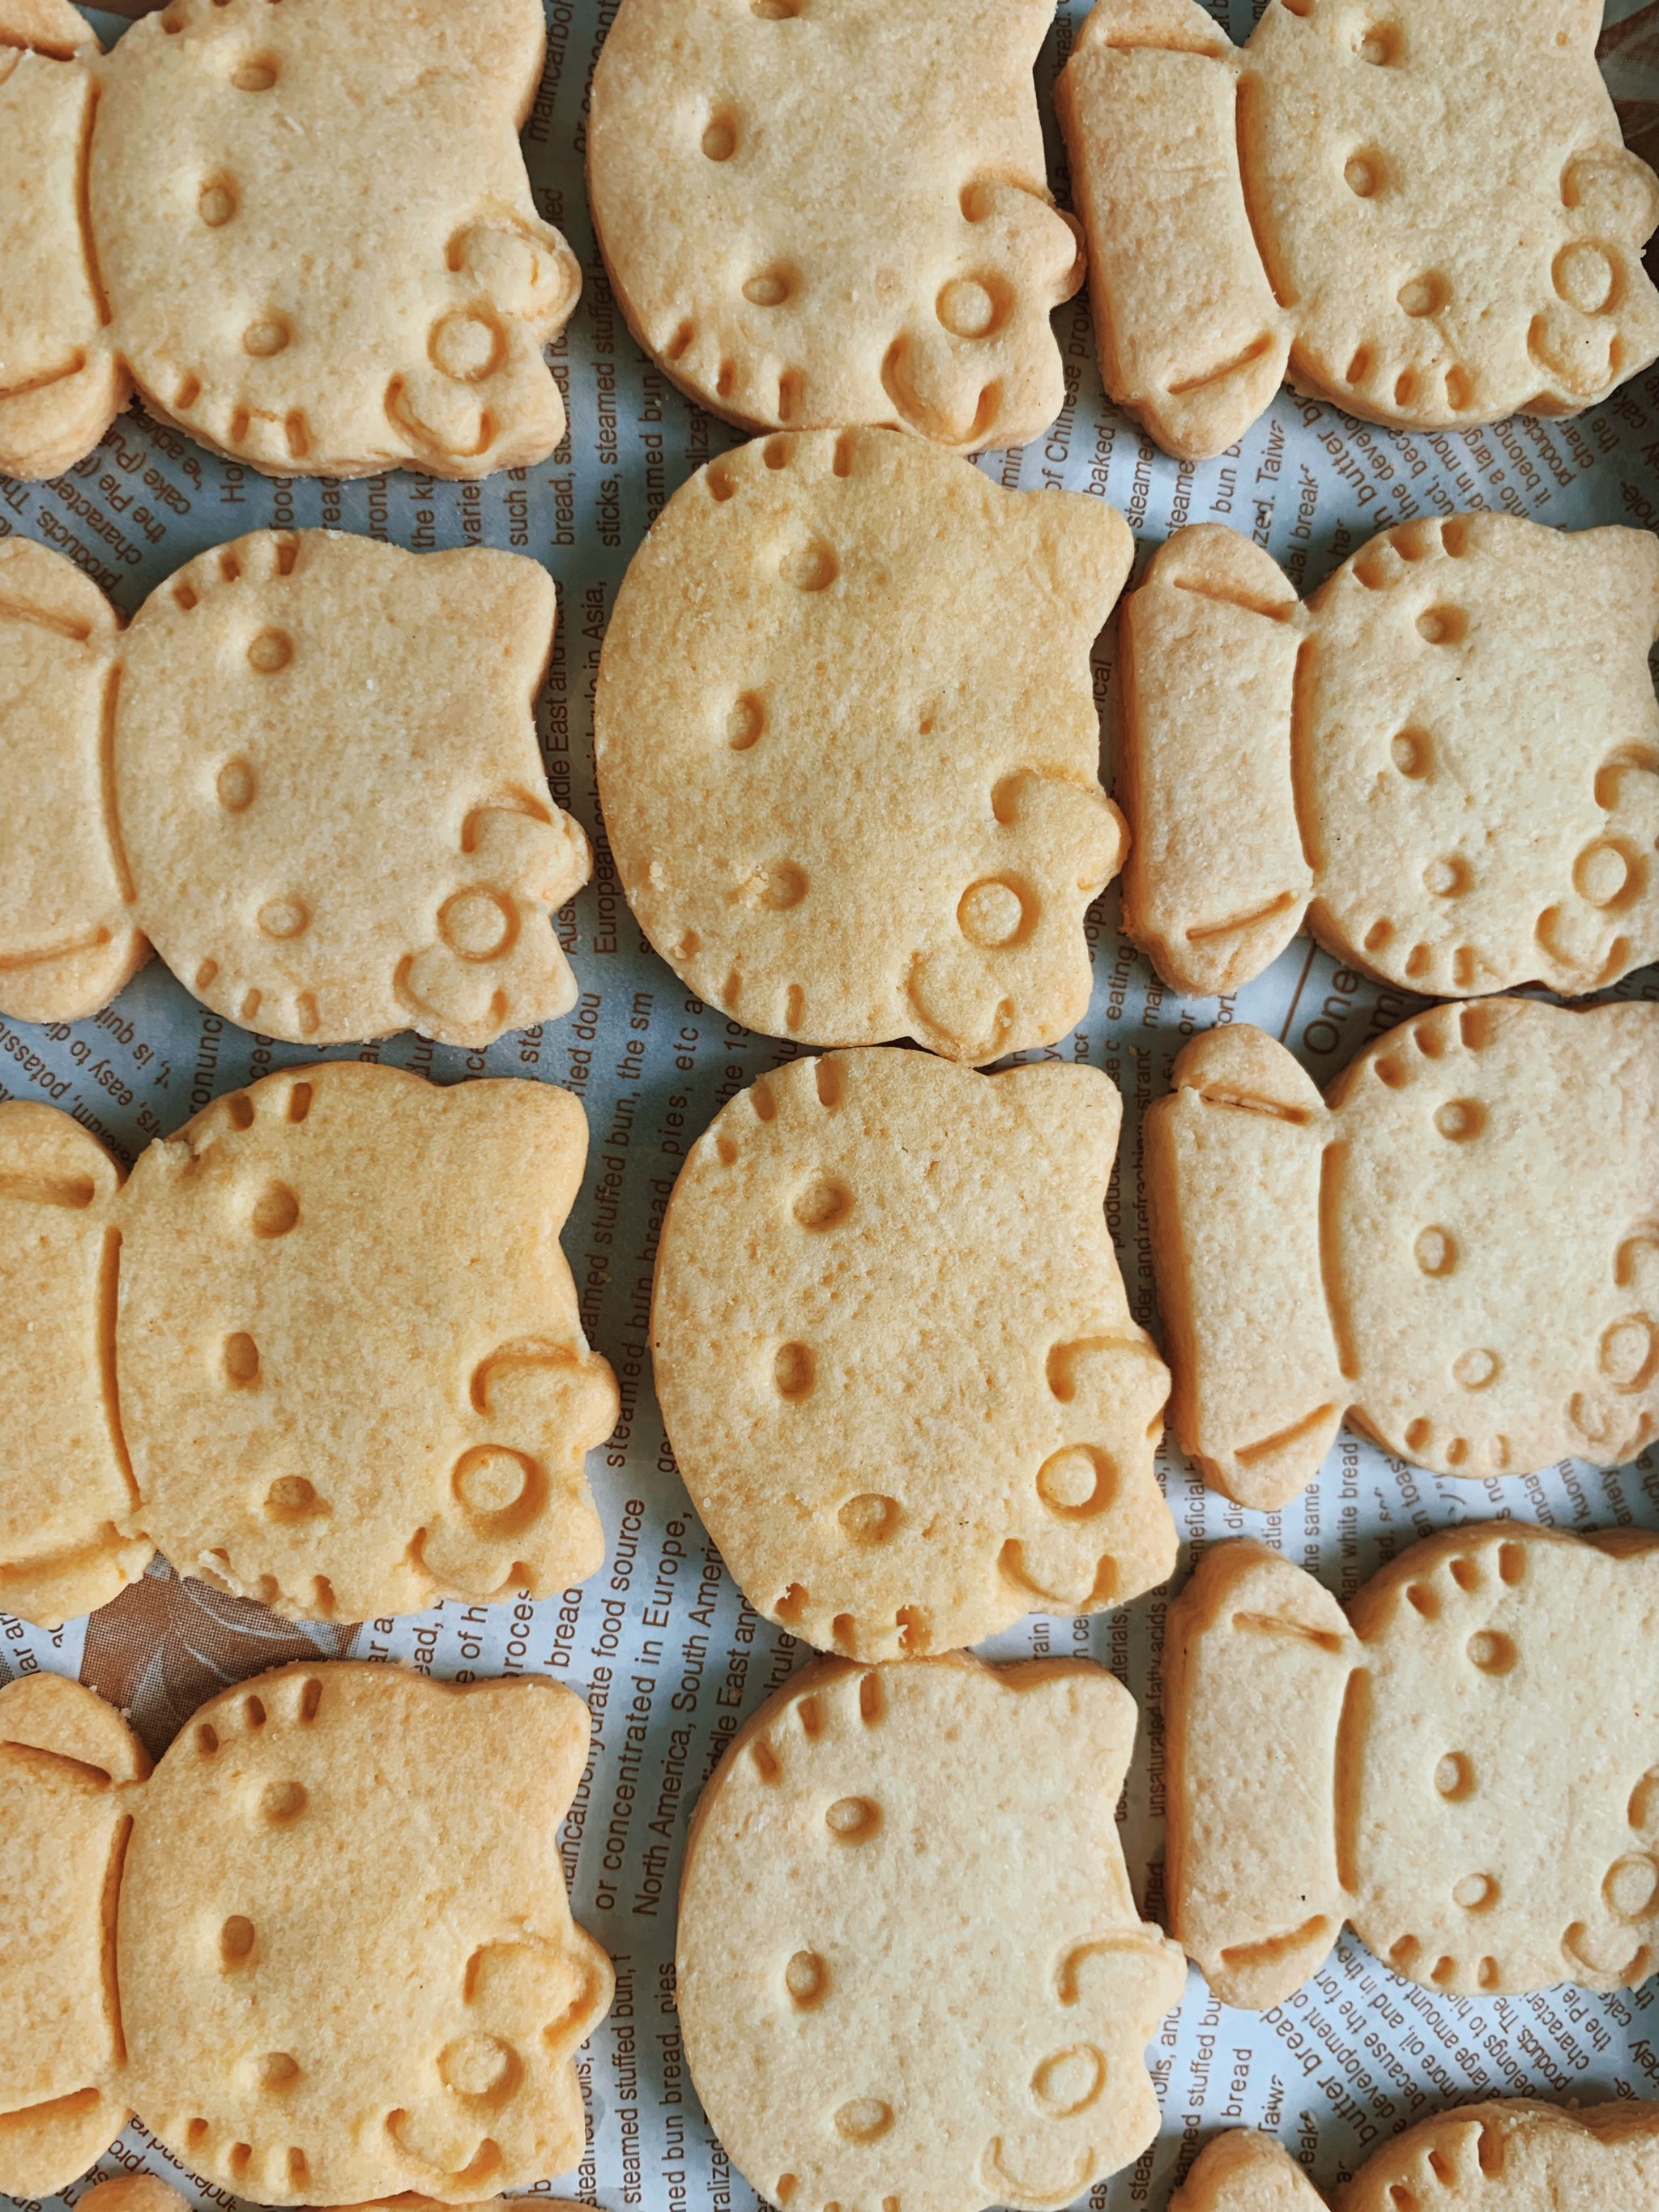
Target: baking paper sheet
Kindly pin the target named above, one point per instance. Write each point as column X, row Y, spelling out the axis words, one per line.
column 660, row 1642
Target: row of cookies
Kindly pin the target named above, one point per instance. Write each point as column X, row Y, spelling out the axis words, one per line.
column 323, row 1349
column 1422, row 212
column 848, row 751
column 325, row 1951
column 1505, row 2154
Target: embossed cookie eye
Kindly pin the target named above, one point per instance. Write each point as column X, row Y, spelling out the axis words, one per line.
column 236, row 786
column 258, row 74
column 217, row 202
column 1364, row 172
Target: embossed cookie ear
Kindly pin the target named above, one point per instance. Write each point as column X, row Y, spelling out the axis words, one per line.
column 266, row 1874
column 718, row 134
column 290, row 704
column 68, row 941
column 416, row 335
column 66, row 1762
column 892, row 1476
column 899, row 1807
column 388, row 1396
column 66, row 1490
column 1465, row 1323
column 872, row 809
column 61, row 383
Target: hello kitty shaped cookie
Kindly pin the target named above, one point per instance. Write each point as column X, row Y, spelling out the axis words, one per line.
column 324, row 1950
column 1457, row 1249
column 847, row 743
column 1506, row 2154
column 147, row 2193
column 1447, row 761
column 722, row 132
column 1421, row 211
column 307, row 773
column 909, row 1968
column 895, row 1358
column 305, row 235
column 322, row 1349
column 1437, row 1768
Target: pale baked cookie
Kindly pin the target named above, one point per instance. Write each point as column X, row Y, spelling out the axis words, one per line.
column 1448, row 759
column 324, row 1950
column 322, row 1350
column 848, row 745
column 147, row 2193
column 308, row 774
column 307, row 238
column 909, row 1968
column 1507, row 2155
column 894, row 1355
column 1440, row 1767
column 1457, row 1250
column 816, row 214
column 1420, row 209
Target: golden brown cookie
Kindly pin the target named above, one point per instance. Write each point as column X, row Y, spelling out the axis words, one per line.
column 324, row 1950
column 1401, row 1254
column 815, row 215
column 1447, row 760
column 1421, row 211
column 308, row 773
column 909, row 1965
column 848, row 745
column 308, row 239
column 322, row 1350
column 895, row 1358
column 1437, row 1766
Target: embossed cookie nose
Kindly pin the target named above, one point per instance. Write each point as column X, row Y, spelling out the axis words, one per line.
column 843, row 825
column 885, row 2005
column 936, row 1414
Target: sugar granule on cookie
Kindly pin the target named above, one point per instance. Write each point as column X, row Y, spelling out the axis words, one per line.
column 322, row 1350
column 307, row 238
column 848, row 745
column 1399, row 1255
column 1506, row 2155
column 325, row 1951
column 1421, row 211
column 721, row 134
column 1437, row 1766
column 307, row 773
column 1447, row 760
column 895, row 1358
column 909, row 1965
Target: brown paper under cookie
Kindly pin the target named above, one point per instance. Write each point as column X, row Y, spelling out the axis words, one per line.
column 1439, row 1766
column 307, row 238
column 1399, row 1255
column 322, row 1350
column 1422, row 211
column 1447, row 761
column 307, row 773
column 324, row 1950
